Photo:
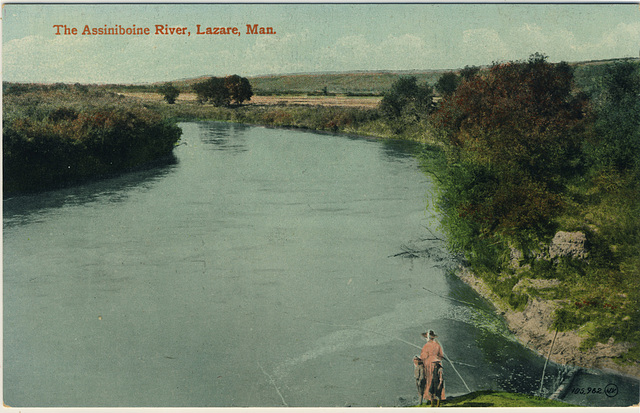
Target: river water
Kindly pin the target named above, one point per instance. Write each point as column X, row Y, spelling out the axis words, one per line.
column 257, row 267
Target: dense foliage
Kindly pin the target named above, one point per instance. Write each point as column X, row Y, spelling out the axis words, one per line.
column 525, row 153
column 56, row 136
column 169, row 92
column 447, row 83
column 224, row 91
column 517, row 130
column 616, row 142
column 407, row 98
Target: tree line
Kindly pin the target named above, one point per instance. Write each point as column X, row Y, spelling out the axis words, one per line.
column 219, row 91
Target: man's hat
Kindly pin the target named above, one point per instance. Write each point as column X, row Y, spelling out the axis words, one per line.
column 430, row 334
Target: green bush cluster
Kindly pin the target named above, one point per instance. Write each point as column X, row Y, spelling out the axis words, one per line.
column 223, row 91
column 323, row 118
column 53, row 137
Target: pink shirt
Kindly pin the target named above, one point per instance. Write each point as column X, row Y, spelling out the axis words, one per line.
column 431, row 352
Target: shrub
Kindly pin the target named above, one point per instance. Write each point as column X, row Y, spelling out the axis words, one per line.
column 407, row 98
column 616, row 140
column 169, row 92
column 50, row 138
column 512, row 138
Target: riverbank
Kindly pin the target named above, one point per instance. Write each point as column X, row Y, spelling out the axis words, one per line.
column 490, row 398
column 532, row 327
column 352, row 115
column 57, row 135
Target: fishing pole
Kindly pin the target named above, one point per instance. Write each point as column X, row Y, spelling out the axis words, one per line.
column 545, row 364
column 454, row 368
column 397, row 338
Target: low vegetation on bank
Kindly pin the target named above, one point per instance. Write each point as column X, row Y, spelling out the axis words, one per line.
column 57, row 134
column 489, row 398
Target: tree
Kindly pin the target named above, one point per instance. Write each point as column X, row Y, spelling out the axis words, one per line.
column 519, row 129
column 169, row 92
column 222, row 91
column 407, row 97
column 447, row 83
column 200, row 89
column 239, row 88
column 469, row 72
column 218, row 92
column 213, row 90
column 616, row 142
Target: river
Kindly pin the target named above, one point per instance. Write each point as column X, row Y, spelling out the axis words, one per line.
column 257, row 267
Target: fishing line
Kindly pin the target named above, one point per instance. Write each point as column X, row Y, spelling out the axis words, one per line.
column 274, row 383
column 397, row 338
column 462, row 302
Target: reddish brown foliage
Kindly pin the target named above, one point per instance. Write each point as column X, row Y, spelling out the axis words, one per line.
column 520, row 122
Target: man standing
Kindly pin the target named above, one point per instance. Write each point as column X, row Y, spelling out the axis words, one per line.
column 430, row 355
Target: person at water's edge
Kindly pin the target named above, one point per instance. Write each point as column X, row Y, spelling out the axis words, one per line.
column 418, row 374
column 431, row 356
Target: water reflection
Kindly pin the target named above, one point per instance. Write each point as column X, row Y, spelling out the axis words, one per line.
column 28, row 208
column 401, row 149
column 224, row 137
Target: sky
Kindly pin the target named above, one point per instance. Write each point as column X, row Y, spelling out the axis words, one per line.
column 308, row 38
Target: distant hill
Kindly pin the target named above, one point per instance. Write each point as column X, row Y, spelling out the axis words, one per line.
column 364, row 82
column 354, row 83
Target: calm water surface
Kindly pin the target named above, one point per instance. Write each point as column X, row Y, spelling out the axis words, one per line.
column 260, row 267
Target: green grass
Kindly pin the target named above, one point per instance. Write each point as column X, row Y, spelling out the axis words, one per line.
column 56, row 136
column 489, row 398
column 354, row 121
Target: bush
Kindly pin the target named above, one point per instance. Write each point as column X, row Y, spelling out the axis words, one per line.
column 169, row 92
column 447, row 83
column 407, row 98
column 50, row 138
column 616, row 141
column 512, row 138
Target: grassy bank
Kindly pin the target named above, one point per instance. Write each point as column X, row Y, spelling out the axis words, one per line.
column 350, row 120
column 499, row 399
column 56, row 135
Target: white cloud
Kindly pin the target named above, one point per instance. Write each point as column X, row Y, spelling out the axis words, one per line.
column 480, row 46
column 34, row 57
column 622, row 40
column 356, row 52
column 280, row 53
column 487, row 44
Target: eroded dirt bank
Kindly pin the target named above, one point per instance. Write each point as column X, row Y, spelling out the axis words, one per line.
column 532, row 328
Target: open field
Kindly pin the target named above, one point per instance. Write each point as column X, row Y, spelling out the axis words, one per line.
column 376, row 82
column 342, row 101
